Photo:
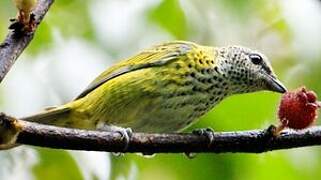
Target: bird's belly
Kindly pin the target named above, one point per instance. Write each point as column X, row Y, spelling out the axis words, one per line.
column 160, row 114
column 151, row 103
column 164, row 119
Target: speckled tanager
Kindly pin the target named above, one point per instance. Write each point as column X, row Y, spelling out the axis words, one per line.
column 165, row 88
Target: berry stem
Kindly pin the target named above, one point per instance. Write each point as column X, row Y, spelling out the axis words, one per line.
column 278, row 129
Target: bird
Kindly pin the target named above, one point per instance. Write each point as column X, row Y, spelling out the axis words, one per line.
column 25, row 19
column 164, row 88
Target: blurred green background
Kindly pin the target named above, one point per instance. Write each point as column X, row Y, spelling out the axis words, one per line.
column 80, row 38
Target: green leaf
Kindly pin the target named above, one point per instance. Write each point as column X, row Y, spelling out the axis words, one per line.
column 69, row 18
column 169, row 15
column 56, row 164
column 72, row 18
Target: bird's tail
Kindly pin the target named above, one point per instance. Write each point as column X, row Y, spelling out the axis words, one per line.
column 50, row 116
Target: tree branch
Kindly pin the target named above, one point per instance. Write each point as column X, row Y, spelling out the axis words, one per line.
column 254, row 141
column 14, row 44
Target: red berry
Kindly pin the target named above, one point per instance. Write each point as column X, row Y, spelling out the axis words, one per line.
column 298, row 109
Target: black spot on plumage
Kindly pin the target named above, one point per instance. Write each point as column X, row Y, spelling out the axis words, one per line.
column 215, row 78
column 193, row 75
column 169, row 95
column 177, row 66
column 216, row 69
column 189, row 121
column 208, row 90
column 182, row 94
column 202, row 80
column 186, row 83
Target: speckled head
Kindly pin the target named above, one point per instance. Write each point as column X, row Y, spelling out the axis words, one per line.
column 247, row 70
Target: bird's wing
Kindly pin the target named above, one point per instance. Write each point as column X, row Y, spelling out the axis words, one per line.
column 156, row 56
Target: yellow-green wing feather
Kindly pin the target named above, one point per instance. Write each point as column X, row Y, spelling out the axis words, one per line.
column 156, row 56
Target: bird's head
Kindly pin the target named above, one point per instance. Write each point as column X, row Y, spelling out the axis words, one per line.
column 247, row 70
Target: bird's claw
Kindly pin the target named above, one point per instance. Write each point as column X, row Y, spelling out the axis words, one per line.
column 270, row 131
column 274, row 131
column 207, row 132
column 21, row 27
column 126, row 134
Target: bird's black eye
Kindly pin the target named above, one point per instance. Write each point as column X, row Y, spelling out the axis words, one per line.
column 256, row 59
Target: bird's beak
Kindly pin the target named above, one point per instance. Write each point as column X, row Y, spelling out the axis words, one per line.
column 273, row 84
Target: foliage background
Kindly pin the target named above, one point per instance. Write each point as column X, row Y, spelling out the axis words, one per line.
column 80, row 38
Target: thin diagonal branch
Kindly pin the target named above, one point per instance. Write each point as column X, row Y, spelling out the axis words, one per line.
column 254, row 141
column 14, row 45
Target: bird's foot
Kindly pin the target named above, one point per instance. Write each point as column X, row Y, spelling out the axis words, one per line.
column 22, row 25
column 273, row 131
column 207, row 132
column 126, row 134
column 16, row 25
column 32, row 23
column 266, row 136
